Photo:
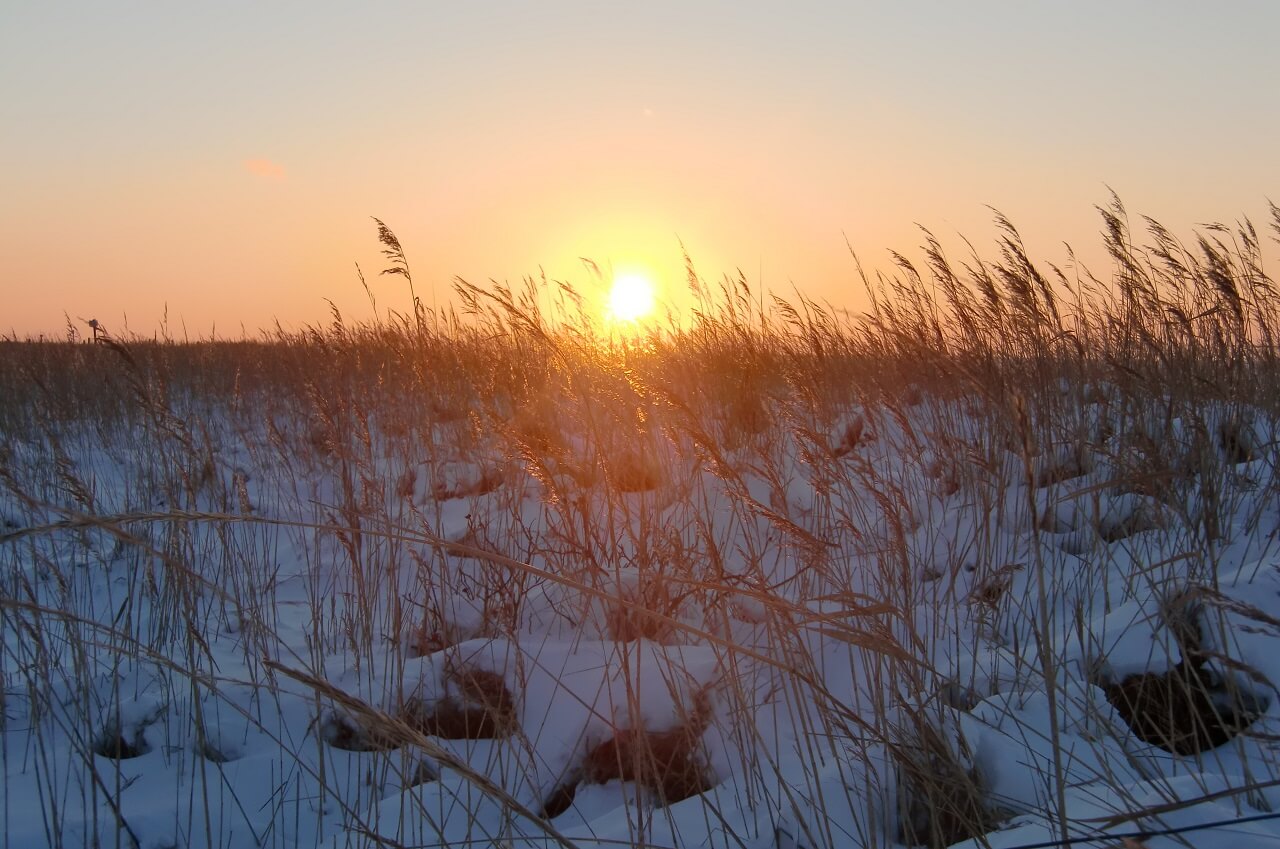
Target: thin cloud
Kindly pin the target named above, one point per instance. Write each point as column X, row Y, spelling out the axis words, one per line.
column 264, row 168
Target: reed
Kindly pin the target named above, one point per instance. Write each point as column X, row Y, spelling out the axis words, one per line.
column 801, row 557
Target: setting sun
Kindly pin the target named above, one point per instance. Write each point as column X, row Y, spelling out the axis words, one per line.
column 631, row 298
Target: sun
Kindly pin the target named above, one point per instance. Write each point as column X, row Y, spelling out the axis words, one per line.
column 631, row 297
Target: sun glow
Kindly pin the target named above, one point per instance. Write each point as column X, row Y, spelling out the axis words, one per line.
column 631, row 298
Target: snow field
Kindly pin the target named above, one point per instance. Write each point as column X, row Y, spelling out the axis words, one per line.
column 884, row 623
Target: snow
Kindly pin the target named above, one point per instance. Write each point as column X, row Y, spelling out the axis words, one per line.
column 798, row 602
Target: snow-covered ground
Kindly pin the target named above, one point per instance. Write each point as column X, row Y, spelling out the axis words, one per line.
column 891, row 622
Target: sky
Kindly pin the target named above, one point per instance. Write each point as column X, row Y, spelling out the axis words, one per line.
column 213, row 168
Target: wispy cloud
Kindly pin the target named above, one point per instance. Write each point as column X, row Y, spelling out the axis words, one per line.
column 264, row 168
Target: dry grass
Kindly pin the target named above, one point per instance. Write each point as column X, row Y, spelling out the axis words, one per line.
column 668, row 460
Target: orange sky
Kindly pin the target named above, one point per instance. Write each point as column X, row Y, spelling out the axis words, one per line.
column 224, row 162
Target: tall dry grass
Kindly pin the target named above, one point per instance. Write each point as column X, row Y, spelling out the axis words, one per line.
column 639, row 490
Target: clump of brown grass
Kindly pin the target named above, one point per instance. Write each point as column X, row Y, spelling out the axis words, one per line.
column 646, row 611
column 634, row 471
column 1189, row 709
column 942, row 798
column 667, row 764
column 120, row 744
column 478, row 706
column 350, row 735
column 670, row 764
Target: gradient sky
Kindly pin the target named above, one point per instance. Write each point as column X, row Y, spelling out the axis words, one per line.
column 223, row 159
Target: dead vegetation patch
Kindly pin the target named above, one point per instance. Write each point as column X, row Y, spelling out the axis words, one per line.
column 852, row 435
column 350, row 735
column 479, row 707
column 1064, row 467
column 1139, row 520
column 1185, row 711
column 1191, row 708
column 668, row 764
column 120, row 744
column 560, row 799
column 1236, row 444
column 942, row 798
column 634, row 471
column 645, row 612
